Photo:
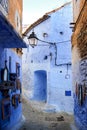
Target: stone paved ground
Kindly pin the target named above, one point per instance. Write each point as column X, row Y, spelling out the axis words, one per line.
column 35, row 119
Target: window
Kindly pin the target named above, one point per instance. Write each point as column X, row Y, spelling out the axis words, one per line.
column 17, row 20
column 61, row 33
column 45, row 35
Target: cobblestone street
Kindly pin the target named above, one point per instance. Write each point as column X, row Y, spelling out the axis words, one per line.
column 35, row 119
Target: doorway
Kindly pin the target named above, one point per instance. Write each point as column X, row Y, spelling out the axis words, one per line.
column 40, row 85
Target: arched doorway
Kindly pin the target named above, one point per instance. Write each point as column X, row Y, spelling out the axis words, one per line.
column 40, row 85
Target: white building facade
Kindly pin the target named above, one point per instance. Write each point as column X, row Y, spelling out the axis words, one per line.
column 47, row 67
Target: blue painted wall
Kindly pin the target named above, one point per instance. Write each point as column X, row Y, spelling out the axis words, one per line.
column 16, row 113
column 79, row 78
column 80, row 113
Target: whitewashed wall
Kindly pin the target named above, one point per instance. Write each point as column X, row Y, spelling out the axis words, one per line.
column 33, row 59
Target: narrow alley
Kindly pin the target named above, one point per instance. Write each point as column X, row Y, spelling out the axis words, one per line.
column 43, row 65
column 36, row 119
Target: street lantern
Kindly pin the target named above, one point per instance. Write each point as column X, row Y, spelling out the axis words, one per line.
column 33, row 39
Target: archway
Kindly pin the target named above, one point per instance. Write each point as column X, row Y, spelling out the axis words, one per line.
column 40, row 85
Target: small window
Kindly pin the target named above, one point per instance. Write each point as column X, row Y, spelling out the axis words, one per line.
column 61, row 33
column 17, row 20
column 45, row 35
column 45, row 58
column 31, row 61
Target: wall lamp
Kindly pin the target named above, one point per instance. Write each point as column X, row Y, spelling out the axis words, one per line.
column 33, row 40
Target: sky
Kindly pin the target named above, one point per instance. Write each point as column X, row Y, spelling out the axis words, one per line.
column 34, row 9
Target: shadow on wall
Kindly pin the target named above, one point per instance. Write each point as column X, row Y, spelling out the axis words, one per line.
column 40, row 85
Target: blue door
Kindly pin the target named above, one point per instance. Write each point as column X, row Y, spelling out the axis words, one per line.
column 40, row 85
